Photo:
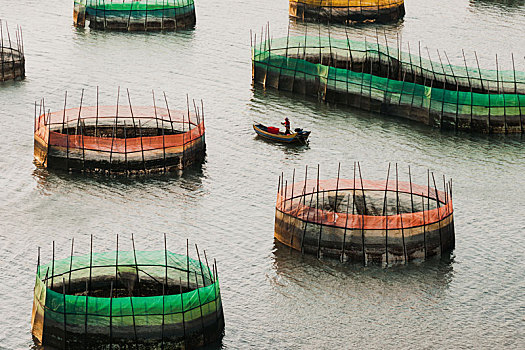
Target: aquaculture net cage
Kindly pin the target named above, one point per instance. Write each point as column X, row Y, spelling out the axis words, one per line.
column 368, row 221
column 384, row 79
column 143, row 299
column 135, row 14
column 381, row 11
column 119, row 139
column 12, row 59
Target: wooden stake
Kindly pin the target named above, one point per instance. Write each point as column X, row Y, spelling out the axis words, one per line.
column 136, row 265
column 111, row 315
column 385, row 213
column 90, row 265
column 65, row 311
column 63, row 114
column 142, row 148
column 362, row 215
column 169, row 114
column 70, row 265
column 53, row 266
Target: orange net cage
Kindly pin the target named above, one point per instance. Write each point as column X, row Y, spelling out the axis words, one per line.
column 53, row 128
column 292, row 200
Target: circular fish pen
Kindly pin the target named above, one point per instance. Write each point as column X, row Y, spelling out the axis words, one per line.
column 135, row 15
column 12, row 59
column 383, row 79
column 127, row 299
column 368, row 221
column 348, row 11
column 120, row 139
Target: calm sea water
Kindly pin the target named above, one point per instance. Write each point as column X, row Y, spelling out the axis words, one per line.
column 273, row 298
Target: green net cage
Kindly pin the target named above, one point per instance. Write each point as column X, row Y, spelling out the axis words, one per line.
column 139, row 299
column 384, row 79
column 135, row 15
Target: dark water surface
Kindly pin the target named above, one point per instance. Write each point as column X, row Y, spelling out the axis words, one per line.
column 273, row 298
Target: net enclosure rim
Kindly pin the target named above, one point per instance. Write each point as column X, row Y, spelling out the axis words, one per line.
column 48, row 128
column 110, row 112
column 286, row 205
column 111, row 256
column 374, row 4
column 203, row 295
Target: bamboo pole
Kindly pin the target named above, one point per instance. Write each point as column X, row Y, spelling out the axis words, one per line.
column 411, row 192
column 90, row 265
column 344, row 233
column 134, row 323
column 503, row 94
column 337, row 186
column 317, row 215
column 165, row 264
column 405, row 255
column 79, row 111
column 188, row 262
column 307, row 219
column 70, row 266
column 200, row 265
column 385, row 213
column 424, row 226
column 182, row 311
column 200, row 308
column 53, row 266
column 163, row 304
column 142, row 148
column 208, row 266
column 146, row 18
column 126, row 149
column 96, row 118
column 439, row 216
column 470, row 86
column 65, row 311
column 111, row 315
column 116, row 265
column 132, row 117
column 114, row 132
column 63, row 114
column 129, row 18
column 136, row 264
column 169, row 114
column 516, row 91
column 362, row 215
column 86, row 318
column 163, row 131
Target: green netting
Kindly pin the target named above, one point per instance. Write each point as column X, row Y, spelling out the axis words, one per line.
column 125, row 311
column 299, row 58
column 509, row 81
column 143, row 8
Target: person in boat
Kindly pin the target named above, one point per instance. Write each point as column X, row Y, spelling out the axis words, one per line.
column 286, row 124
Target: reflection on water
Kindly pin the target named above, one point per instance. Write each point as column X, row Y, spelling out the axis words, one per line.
column 291, row 265
column 500, row 5
column 189, row 180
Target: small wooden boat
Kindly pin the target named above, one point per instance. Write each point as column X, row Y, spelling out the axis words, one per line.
column 273, row 134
